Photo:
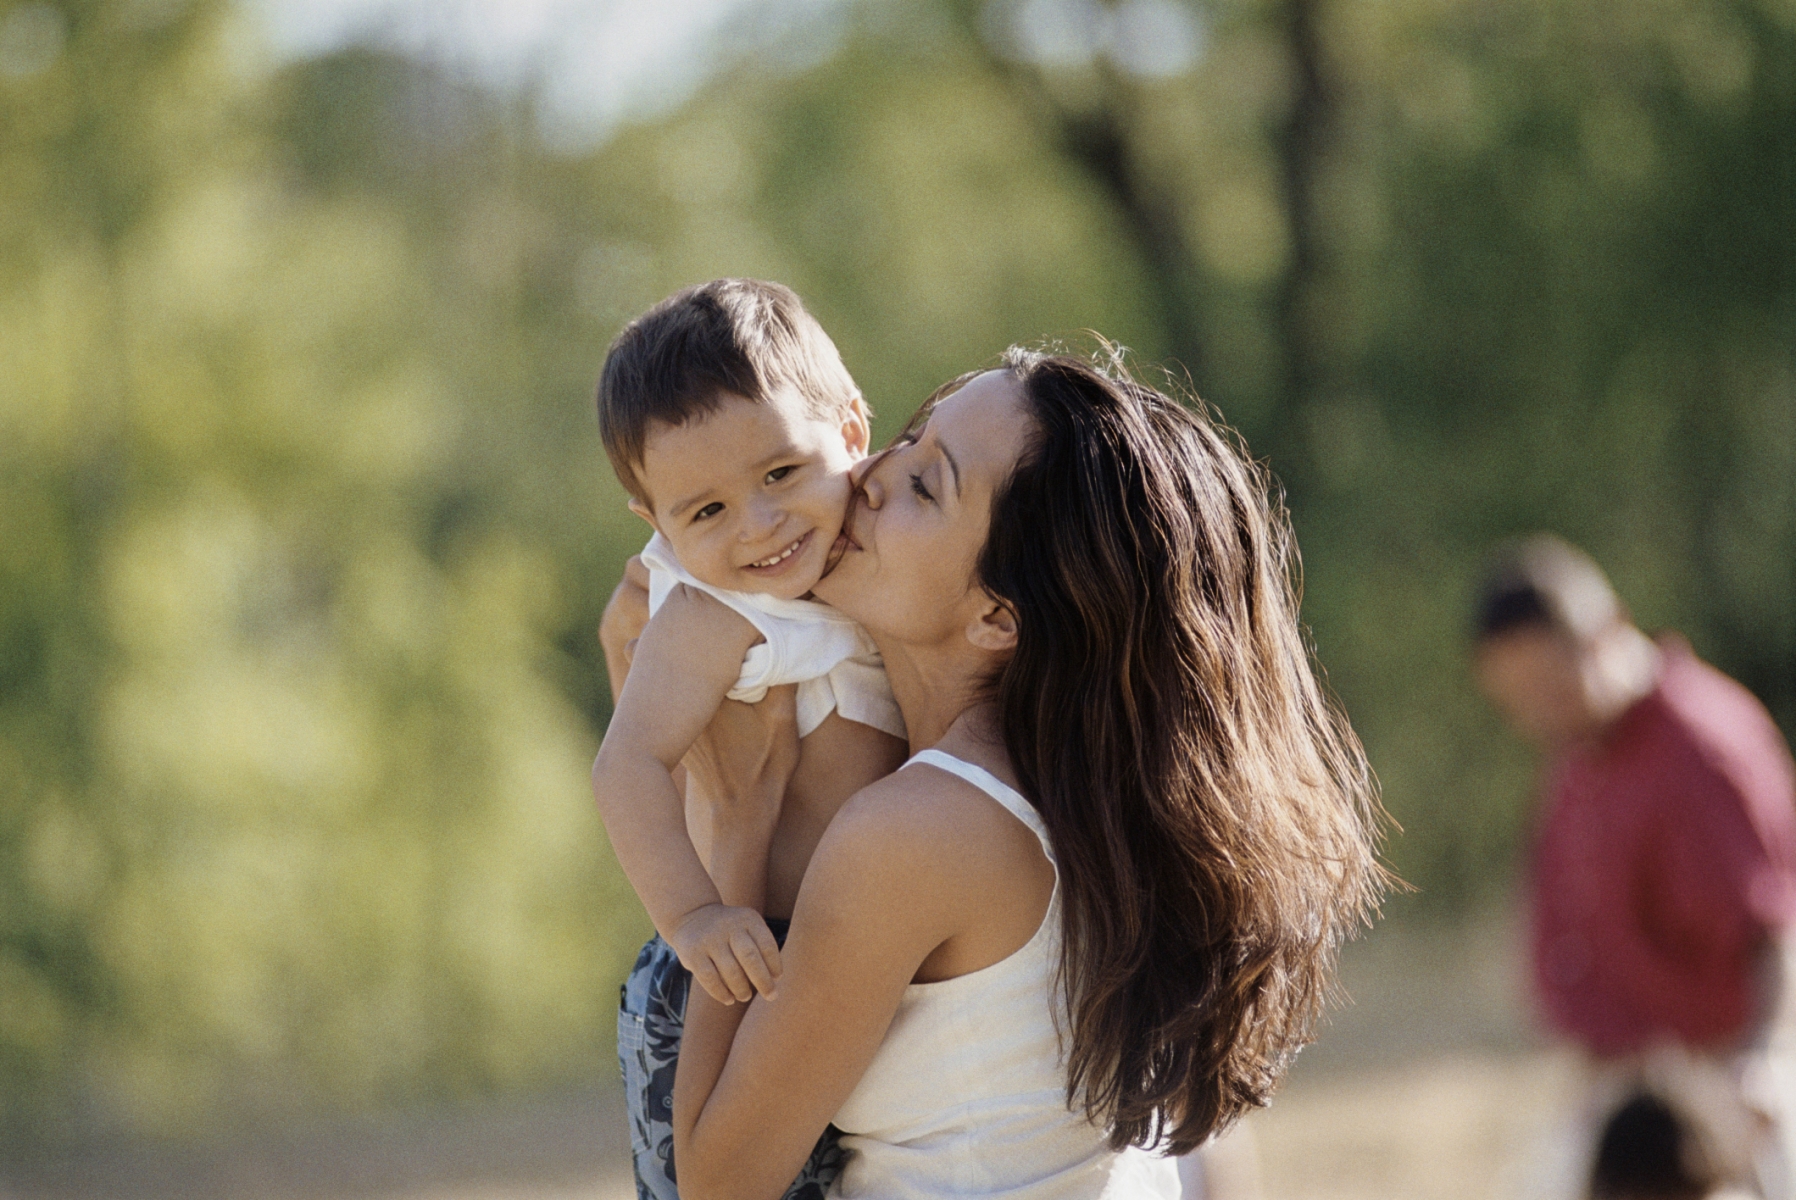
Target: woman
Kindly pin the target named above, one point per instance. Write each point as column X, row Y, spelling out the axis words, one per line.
column 1096, row 914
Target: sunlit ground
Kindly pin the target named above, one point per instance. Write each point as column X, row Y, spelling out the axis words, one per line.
column 1430, row 1085
column 566, row 1147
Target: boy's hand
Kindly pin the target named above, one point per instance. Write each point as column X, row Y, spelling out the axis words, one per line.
column 730, row 952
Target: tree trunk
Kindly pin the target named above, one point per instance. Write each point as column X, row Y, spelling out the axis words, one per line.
column 1299, row 144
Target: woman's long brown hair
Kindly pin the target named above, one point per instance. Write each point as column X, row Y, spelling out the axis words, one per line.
column 1211, row 810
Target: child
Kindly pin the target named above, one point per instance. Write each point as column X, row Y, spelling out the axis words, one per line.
column 1651, row 1149
column 731, row 421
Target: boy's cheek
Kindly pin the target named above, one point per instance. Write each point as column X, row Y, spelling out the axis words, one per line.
column 843, row 459
column 836, row 501
column 693, row 555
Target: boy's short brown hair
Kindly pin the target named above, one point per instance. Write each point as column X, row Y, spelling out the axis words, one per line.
column 675, row 362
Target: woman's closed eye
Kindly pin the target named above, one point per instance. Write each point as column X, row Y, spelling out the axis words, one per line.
column 916, row 485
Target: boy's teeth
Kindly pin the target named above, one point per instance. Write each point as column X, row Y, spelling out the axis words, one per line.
column 780, row 557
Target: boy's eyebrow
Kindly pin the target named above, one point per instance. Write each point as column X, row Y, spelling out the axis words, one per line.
column 785, row 451
column 682, row 506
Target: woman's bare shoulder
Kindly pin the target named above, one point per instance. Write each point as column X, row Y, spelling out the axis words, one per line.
column 931, row 867
column 927, row 820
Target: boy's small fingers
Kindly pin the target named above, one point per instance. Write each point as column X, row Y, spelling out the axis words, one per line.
column 754, row 965
column 765, row 943
column 734, row 979
column 708, row 978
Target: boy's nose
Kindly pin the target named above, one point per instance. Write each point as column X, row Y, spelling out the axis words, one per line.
column 759, row 521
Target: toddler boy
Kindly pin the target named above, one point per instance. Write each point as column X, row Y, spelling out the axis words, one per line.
column 731, row 421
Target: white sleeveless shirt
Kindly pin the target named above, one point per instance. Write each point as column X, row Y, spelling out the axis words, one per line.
column 966, row 1097
column 828, row 655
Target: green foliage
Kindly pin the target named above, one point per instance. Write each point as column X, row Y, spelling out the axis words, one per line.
column 1563, row 297
column 304, row 528
column 295, row 812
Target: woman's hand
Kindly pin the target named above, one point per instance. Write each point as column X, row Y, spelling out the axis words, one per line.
column 625, row 616
column 747, row 755
column 738, row 769
column 906, row 866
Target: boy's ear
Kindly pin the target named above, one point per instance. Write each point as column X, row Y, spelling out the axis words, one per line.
column 993, row 627
column 642, row 510
column 857, row 427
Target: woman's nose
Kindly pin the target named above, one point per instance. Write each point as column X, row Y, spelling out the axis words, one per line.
column 857, row 474
column 865, row 475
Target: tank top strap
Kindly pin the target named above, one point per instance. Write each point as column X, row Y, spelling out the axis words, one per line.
column 992, row 786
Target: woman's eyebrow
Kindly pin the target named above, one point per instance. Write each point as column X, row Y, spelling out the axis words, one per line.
column 952, row 465
column 924, row 431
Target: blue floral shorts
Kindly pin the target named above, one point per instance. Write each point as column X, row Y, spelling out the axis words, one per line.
column 651, row 1017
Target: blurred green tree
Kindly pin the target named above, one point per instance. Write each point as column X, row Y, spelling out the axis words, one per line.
column 1562, row 295
column 295, row 810
column 304, row 530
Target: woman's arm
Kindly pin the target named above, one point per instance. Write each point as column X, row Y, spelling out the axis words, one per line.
column 917, row 870
column 626, row 613
column 757, row 1084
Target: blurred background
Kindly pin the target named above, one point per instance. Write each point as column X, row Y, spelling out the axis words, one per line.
column 305, row 528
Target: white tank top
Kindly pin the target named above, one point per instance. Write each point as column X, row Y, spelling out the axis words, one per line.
column 966, row 1096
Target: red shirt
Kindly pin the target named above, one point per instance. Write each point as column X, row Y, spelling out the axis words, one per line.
column 1666, row 855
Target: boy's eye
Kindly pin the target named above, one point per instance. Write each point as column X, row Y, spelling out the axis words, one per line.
column 709, row 510
column 779, row 473
column 916, row 485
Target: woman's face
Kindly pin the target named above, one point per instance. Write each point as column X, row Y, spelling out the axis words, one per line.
column 918, row 520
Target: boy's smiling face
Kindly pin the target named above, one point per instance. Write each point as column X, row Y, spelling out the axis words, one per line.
column 751, row 495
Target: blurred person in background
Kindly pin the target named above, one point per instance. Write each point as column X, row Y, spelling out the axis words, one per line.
column 1655, row 1148
column 1664, row 865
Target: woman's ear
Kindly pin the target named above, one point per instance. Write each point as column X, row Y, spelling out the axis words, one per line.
column 993, row 628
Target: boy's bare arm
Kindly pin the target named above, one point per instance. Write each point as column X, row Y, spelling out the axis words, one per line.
column 683, row 665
